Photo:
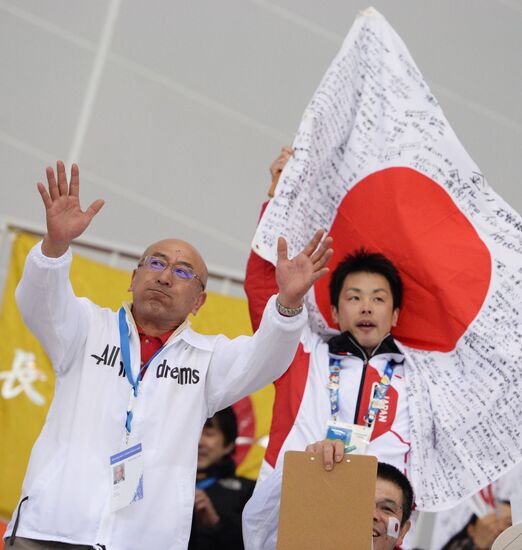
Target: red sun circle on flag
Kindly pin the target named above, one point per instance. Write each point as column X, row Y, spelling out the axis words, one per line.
column 444, row 264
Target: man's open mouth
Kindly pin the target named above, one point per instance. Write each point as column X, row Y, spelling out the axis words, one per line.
column 366, row 324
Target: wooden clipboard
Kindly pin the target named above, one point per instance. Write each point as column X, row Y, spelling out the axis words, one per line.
column 327, row 510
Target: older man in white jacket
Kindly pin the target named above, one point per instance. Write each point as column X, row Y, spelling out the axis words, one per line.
column 120, row 405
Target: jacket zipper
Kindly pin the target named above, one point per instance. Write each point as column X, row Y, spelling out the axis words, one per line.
column 359, row 396
column 361, row 382
column 363, row 375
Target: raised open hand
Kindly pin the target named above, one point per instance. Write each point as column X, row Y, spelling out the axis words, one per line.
column 65, row 218
column 295, row 277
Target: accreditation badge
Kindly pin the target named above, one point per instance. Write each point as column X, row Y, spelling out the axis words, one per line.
column 126, row 475
column 355, row 438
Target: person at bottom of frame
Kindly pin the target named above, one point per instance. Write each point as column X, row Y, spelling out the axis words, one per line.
column 393, row 505
column 394, row 497
column 220, row 494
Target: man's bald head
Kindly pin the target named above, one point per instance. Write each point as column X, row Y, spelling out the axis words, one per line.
column 183, row 250
column 163, row 298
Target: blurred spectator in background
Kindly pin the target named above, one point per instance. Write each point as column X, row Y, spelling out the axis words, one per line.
column 477, row 521
column 480, row 532
column 220, row 494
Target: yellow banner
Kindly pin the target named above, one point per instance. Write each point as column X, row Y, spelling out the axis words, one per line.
column 27, row 379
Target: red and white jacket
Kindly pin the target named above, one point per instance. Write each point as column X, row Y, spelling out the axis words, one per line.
column 302, row 407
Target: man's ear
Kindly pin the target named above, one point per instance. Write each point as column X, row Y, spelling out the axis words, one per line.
column 402, row 533
column 395, row 317
column 199, row 302
column 335, row 315
column 229, row 448
column 130, row 289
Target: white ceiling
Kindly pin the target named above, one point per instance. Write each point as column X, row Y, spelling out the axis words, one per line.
column 174, row 110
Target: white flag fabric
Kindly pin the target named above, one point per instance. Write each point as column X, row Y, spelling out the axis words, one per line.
column 377, row 164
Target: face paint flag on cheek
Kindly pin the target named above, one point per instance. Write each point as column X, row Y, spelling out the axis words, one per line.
column 377, row 165
column 394, row 527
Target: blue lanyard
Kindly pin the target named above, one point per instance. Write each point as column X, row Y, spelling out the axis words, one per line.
column 125, row 357
column 379, row 394
column 206, row 483
column 333, row 385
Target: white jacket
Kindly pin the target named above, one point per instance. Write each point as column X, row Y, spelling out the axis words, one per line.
column 305, row 385
column 68, row 478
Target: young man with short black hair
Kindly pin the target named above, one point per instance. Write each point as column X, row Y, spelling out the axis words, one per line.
column 329, row 389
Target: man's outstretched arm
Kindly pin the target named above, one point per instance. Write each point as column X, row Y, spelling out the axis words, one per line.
column 244, row 365
column 45, row 296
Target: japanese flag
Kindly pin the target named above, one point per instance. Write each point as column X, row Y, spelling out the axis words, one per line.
column 377, row 164
column 394, row 527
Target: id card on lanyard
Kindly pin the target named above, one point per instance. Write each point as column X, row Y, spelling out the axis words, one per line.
column 126, row 466
column 355, row 437
column 126, row 477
